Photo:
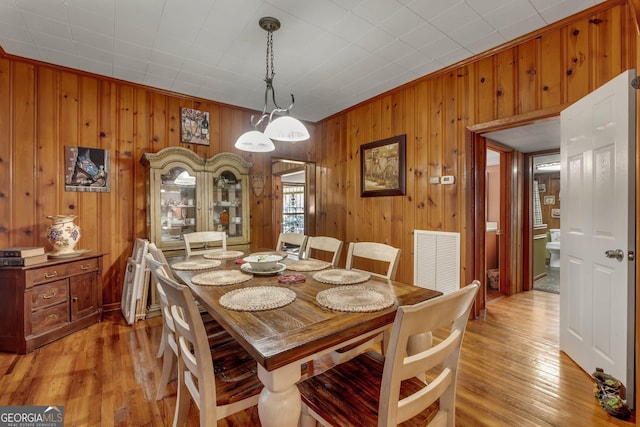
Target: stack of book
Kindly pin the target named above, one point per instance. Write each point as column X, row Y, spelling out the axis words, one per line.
column 22, row 256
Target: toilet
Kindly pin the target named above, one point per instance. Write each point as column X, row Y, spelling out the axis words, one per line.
column 554, row 247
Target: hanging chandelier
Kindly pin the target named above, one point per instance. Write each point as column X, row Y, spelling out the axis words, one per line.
column 280, row 125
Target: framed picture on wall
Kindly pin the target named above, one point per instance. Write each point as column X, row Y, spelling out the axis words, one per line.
column 86, row 169
column 549, row 200
column 382, row 165
column 194, row 126
column 542, row 188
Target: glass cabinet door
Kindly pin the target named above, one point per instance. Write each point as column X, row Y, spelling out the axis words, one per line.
column 178, row 204
column 227, row 204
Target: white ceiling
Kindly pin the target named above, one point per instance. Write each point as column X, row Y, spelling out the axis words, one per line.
column 331, row 54
column 539, row 136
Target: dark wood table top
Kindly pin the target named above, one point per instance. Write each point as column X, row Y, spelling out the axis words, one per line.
column 302, row 328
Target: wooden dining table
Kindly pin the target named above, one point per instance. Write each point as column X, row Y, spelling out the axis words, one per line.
column 282, row 340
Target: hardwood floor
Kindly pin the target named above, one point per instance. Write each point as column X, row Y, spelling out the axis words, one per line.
column 511, row 374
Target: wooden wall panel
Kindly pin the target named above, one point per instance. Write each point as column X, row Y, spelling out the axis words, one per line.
column 550, row 69
column 43, row 108
column 419, row 147
column 527, row 67
column 6, row 163
column 23, row 155
column 546, row 70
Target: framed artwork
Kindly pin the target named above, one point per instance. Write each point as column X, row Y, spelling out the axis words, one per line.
column 549, row 200
column 555, row 213
column 542, row 188
column 86, row 169
column 194, row 126
column 382, row 167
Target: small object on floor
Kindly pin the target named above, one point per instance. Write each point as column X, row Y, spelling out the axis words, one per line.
column 611, row 392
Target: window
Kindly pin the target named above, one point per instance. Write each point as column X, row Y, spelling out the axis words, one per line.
column 293, row 208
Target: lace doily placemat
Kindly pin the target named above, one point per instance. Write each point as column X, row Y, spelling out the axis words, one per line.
column 220, row 277
column 257, row 298
column 340, row 276
column 355, row 299
column 221, row 254
column 308, row 265
column 200, row 264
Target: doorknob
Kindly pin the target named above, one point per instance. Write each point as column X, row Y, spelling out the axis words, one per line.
column 615, row 253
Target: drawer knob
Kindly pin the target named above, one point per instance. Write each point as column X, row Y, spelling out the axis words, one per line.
column 74, row 299
column 48, row 276
column 85, row 267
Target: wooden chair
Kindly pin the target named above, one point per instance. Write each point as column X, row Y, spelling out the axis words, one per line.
column 222, row 379
column 168, row 348
column 376, row 252
column 293, row 243
column 198, row 243
column 371, row 390
column 373, row 251
column 324, row 244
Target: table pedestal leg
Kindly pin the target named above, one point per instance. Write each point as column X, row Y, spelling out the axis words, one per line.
column 279, row 404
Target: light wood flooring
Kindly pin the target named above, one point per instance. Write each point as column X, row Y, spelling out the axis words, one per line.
column 511, row 374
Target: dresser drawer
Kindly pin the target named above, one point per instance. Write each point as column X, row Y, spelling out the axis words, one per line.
column 49, row 318
column 49, row 294
column 53, row 272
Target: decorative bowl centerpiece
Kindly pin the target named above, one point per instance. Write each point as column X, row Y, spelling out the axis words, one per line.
column 263, row 262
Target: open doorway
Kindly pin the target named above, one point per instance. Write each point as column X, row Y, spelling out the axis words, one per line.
column 294, row 197
column 546, row 221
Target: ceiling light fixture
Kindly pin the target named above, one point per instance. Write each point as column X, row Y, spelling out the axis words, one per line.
column 552, row 166
column 282, row 128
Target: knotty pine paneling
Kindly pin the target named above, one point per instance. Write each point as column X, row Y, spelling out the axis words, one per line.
column 550, row 68
column 45, row 108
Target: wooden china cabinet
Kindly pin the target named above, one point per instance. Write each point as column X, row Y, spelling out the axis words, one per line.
column 187, row 193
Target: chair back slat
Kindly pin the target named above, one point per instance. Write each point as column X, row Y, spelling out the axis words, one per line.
column 324, row 244
column 377, row 252
column 292, row 239
column 203, row 242
column 447, row 311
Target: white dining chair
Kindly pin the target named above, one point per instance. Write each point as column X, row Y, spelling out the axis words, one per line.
column 323, row 244
column 389, row 390
column 387, row 258
column 168, row 348
column 204, row 242
column 293, row 243
column 377, row 252
column 221, row 379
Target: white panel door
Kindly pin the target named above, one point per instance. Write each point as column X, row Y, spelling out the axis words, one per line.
column 598, row 212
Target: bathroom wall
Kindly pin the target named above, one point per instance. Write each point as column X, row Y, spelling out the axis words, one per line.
column 551, row 182
column 493, row 215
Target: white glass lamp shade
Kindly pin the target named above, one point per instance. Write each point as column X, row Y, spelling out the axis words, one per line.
column 286, row 128
column 254, row 141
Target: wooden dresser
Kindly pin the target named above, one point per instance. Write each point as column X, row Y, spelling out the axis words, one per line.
column 44, row 302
